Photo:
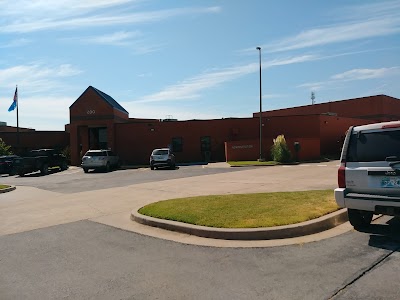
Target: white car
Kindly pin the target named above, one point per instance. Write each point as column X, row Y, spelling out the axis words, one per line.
column 162, row 157
column 100, row 159
column 369, row 173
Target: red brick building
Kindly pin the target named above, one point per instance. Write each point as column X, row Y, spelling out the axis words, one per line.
column 27, row 139
column 98, row 121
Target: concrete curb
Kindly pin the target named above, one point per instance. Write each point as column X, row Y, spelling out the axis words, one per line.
column 279, row 232
column 9, row 189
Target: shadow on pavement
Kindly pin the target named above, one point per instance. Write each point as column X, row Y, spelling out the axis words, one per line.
column 385, row 236
column 166, row 169
column 38, row 174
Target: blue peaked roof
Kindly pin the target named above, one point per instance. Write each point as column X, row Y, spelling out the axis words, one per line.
column 110, row 100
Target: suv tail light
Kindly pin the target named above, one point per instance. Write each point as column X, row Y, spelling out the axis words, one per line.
column 342, row 174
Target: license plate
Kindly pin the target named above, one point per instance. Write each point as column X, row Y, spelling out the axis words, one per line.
column 390, row 182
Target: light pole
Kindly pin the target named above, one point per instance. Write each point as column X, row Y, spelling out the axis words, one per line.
column 260, row 158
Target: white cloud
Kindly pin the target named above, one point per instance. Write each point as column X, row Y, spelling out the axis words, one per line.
column 142, row 75
column 40, row 8
column 314, row 86
column 131, row 39
column 192, row 87
column 75, row 18
column 15, row 43
column 362, row 22
column 38, row 112
column 336, row 34
column 361, row 74
column 351, row 75
column 120, row 38
column 157, row 111
column 378, row 9
column 36, row 77
column 291, row 60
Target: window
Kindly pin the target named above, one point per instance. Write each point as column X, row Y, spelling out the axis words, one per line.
column 177, row 144
column 96, row 153
column 160, row 152
column 374, row 146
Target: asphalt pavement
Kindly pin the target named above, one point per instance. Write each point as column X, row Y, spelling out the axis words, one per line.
column 87, row 260
column 29, row 208
column 83, row 245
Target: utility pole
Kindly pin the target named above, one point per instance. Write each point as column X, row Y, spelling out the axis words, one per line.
column 260, row 158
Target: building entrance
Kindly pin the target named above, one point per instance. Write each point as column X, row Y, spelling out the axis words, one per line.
column 98, row 138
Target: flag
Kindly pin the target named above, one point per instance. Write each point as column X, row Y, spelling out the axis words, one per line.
column 14, row 104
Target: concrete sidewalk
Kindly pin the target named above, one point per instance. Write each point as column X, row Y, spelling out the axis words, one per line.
column 29, row 208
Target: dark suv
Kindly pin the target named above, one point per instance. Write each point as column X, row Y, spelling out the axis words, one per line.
column 369, row 173
column 40, row 160
column 6, row 164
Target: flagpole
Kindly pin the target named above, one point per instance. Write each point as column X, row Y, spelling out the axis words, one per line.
column 16, row 88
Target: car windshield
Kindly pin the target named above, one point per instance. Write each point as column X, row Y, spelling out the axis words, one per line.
column 96, row 153
column 160, row 152
column 368, row 146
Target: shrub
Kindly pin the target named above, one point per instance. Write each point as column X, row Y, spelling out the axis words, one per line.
column 67, row 153
column 280, row 151
column 4, row 148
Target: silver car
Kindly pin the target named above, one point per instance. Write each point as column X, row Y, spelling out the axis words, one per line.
column 369, row 173
column 100, row 159
column 162, row 157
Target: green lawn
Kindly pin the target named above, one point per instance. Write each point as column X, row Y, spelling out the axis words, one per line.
column 252, row 163
column 3, row 186
column 247, row 210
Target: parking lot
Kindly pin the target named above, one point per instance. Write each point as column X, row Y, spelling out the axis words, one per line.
column 61, row 240
column 74, row 180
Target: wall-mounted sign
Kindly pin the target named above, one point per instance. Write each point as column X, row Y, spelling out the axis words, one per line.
column 91, row 112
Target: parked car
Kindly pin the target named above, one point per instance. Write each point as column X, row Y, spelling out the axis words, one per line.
column 100, row 159
column 369, row 173
column 162, row 158
column 40, row 160
column 6, row 164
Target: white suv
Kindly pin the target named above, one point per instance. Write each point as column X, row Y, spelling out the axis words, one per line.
column 369, row 173
column 100, row 159
column 162, row 158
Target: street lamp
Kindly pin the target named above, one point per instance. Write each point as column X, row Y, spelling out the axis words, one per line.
column 260, row 158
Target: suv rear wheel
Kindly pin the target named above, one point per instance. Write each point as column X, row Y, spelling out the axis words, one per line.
column 359, row 218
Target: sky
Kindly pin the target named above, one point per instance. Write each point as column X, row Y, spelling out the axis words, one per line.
column 193, row 59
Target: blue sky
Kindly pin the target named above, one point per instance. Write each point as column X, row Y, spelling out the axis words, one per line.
column 193, row 59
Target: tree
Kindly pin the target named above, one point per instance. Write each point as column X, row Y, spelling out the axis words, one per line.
column 4, row 148
column 280, row 151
